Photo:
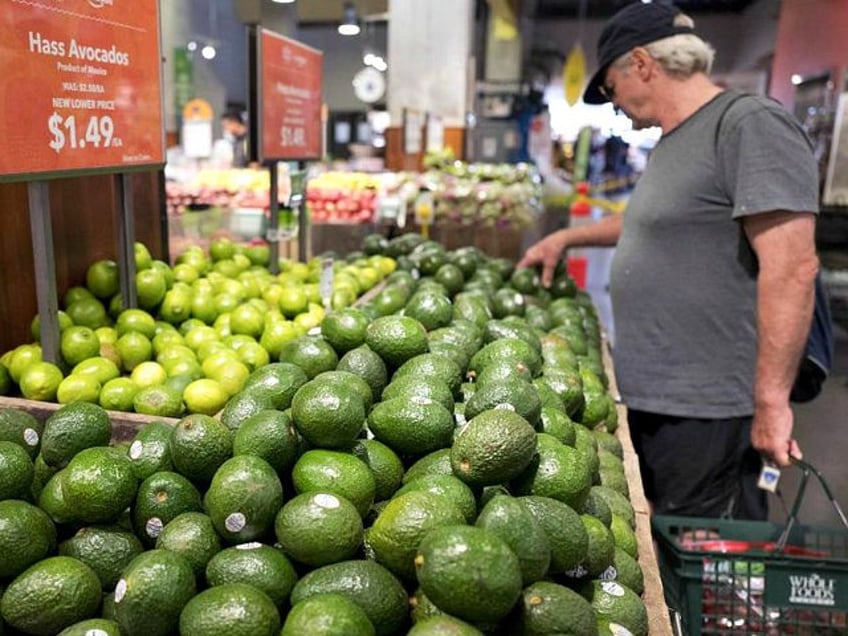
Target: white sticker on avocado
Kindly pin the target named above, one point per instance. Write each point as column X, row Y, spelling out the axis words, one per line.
column 95, row 632
column 504, row 406
column 315, row 331
column 415, row 273
column 249, row 546
column 577, row 572
column 612, row 588
column 519, row 299
column 460, row 418
column 420, row 400
column 120, row 590
column 327, row 501
column 153, row 527
column 619, row 630
column 235, row 522
column 136, row 448
column 610, row 574
column 31, row 437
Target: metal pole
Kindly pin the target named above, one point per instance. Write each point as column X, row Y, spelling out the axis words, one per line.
column 273, row 234
column 45, row 268
column 126, row 240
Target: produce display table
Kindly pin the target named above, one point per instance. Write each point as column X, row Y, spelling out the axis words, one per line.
column 659, row 621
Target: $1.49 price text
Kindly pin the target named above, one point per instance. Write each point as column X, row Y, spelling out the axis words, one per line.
column 72, row 133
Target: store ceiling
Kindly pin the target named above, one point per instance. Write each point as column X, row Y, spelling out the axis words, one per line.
column 332, row 10
column 564, row 9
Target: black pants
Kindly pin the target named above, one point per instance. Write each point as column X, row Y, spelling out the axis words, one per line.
column 698, row 467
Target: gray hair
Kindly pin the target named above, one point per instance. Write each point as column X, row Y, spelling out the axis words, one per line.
column 680, row 55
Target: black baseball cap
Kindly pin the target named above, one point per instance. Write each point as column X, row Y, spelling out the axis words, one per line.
column 635, row 25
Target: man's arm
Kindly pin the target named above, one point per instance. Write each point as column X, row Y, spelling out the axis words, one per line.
column 785, row 246
column 548, row 251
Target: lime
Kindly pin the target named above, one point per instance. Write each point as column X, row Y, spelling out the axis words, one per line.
column 253, row 355
column 148, row 373
column 89, row 312
column 35, row 326
column 231, row 376
column 163, row 268
column 21, row 357
column 185, row 273
column 101, row 369
column 161, row 401
column 40, row 381
column 276, row 334
column 165, row 339
column 76, row 293
column 107, row 335
column 293, row 300
column 79, row 343
column 136, row 320
column 78, row 388
column 221, row 248
column 247, row 319
column 150, row 287
column 143, row 259
column 103, row 278
column 133, row 349
column 205, row 396
column 117, row 394
column 176, row 306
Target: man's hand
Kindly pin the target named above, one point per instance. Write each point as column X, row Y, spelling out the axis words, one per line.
column 546, row 253
column 771, row 434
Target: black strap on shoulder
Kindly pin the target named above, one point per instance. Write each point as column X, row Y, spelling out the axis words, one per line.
column 727, row 107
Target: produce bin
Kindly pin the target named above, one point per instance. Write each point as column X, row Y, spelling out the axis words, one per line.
column 659, row 622
column 725, row 576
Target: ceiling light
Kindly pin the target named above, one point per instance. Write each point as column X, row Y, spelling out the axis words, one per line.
column 208, row 52
column 796, row 79
column 191, row 46
column 350, row 22
column 283, row 1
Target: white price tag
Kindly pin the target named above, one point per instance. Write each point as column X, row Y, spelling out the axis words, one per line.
column 325, row 284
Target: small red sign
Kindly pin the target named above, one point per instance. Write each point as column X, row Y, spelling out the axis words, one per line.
column 290, row 98
column 82, row 86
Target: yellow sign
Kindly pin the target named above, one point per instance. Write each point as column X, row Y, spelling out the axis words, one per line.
column 574, row 75
column 504, row 24
column 197, row 110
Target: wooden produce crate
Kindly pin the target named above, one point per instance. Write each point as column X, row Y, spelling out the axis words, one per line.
column 124, row 425
column 659, row 621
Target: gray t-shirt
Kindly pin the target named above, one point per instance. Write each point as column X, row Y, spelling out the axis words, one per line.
column 683, row 280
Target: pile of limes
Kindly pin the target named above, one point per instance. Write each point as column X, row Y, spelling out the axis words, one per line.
column 200, row 328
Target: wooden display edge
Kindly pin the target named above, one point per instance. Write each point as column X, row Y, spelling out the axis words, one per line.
column 124, row 425
column 659, row 619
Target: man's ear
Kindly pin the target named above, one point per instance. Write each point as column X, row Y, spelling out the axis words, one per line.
column 643, row 63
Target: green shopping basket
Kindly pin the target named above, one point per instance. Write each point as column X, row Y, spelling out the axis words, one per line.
column 723, row 576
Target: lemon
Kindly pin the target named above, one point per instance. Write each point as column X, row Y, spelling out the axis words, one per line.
column 204, row 396
column 78, row 388
column 78, row 343
column 148, row 374
column 40, row 381
column 117, row 394
column 101, row 369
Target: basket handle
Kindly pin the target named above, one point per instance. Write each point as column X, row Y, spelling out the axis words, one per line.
column 807, row 469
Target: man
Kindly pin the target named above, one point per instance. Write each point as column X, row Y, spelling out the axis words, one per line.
column 712, row 280
column 235, row 136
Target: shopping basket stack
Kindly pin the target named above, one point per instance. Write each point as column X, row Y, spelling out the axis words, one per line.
column 724, row 576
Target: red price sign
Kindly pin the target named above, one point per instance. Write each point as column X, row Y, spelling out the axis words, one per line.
column 83, row 86
column 290, row 98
